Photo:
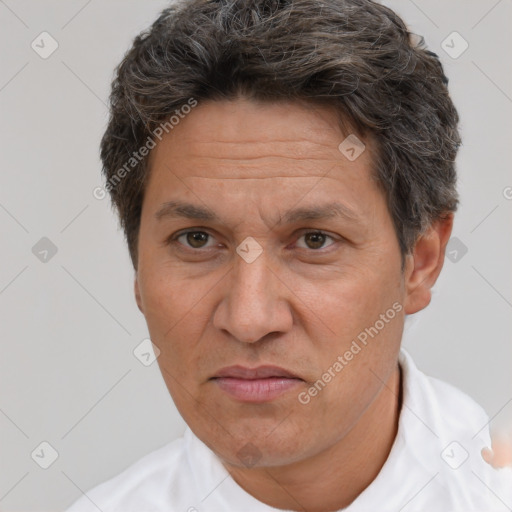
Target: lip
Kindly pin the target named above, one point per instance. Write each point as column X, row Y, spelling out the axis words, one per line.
column 260, row 372
column 261, row 384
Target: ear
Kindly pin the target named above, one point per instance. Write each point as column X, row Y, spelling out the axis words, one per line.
column 137, row 293
column 424, row 264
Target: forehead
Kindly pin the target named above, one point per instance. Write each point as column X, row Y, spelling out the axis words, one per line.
column 266, row 152
column 250, row 120
column 240, row 132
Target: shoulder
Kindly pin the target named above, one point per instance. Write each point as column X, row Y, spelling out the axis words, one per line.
column 445, row 430
column 151, row 476
column 443, row 407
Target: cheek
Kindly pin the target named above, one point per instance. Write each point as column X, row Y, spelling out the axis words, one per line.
column 166, row 297
column 355, row 301
column 364, row 316
column 168, row 305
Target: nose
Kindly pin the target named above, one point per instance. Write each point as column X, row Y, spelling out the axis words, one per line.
column 255, row 301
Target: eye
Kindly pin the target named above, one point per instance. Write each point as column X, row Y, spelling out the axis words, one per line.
column 194, row 239
column 315, row 240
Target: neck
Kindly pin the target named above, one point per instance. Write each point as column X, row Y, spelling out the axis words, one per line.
column 332, row 479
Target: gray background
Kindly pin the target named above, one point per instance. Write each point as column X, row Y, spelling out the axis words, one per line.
column 69, row 325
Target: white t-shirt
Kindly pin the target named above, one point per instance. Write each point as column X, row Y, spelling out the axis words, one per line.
column 434, row 465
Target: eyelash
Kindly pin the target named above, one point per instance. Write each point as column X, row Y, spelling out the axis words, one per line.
column 174, row 238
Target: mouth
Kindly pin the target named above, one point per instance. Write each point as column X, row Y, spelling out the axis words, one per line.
column 256, row 385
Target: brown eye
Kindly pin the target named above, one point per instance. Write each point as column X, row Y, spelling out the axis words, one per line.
column 195, row 239
column 314, row 240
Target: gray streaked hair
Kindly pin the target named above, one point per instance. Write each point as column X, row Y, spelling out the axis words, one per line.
column 354, row 56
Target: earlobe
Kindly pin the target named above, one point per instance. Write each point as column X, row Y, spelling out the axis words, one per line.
column 424, row 264
column 138, row 298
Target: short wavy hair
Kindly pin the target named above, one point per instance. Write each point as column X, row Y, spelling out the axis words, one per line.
column 355, row 56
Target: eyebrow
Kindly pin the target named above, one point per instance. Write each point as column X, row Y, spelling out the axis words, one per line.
column 180, row 209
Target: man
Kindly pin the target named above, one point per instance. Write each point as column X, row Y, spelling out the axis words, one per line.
column 284, row 173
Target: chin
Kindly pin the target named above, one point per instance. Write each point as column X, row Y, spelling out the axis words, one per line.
column 253, row 444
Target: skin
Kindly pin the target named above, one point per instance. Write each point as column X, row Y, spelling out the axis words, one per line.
column 297, row 306
column 500, row 453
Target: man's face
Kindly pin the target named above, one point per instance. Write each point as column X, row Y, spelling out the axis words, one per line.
column 298, row 305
